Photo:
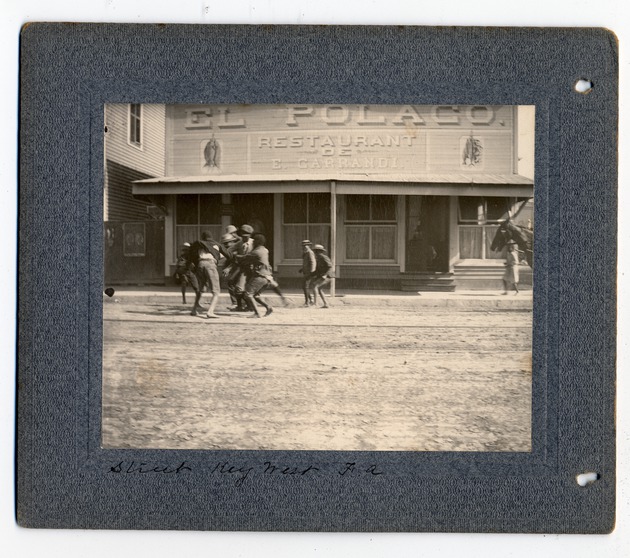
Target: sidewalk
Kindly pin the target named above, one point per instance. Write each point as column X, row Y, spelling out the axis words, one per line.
column 464, row 300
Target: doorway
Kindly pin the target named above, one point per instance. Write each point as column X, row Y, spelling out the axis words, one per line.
column 427, row 233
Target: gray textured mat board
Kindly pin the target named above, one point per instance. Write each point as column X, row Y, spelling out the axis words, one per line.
column 68, row 73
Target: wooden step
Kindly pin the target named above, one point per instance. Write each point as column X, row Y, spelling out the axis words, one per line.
column 487, row 277
column 427, row 281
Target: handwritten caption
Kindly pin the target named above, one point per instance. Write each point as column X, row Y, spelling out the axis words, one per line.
column 241, row 473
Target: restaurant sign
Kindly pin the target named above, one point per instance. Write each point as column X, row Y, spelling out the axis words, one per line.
column 316, row 139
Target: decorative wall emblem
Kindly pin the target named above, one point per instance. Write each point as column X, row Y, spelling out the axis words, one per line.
column 472, row 155
column 211, row 153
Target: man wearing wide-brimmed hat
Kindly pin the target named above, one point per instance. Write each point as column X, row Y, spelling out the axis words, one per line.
column 512, row 261
column 307, row 270
column 231, row 229
column 321, row 275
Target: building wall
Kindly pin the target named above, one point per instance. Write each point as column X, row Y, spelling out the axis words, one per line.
column 150, row 157
column 121, row 205
column 125, row 162
column 127, row 219
column 408, row 152
column 329, row 140
column 133, row 252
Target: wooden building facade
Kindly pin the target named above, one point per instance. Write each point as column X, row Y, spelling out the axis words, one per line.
column 133, row 225
column 403, row 197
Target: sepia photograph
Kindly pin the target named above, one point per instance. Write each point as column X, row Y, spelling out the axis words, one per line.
column 318, row 277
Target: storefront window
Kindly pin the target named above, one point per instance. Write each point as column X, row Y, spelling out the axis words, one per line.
column 471, row 209
column 357, row 243
column 319, row 208
column 383, row 208
column 478, row 223
column 209, row 209
column 358, row 208
column 295, row 208
column 371, row 228
column 305, row 216
column 188, row 209
column 496, row 209
column 197, row 213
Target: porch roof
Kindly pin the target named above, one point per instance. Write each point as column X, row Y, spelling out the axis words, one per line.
column 462, row 184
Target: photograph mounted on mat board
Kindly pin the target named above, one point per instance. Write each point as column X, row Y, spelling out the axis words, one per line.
column 389, row 386
column 318, row 277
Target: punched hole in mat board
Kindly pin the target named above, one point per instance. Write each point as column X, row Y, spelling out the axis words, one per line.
column 584, row 479
column 583, row 86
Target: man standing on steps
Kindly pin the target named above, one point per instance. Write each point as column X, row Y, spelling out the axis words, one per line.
column 307, row 270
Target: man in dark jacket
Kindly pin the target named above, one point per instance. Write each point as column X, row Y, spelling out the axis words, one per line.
column 307, row 269
column 258, row 275
column 228, row 264
column 185, row 272
column 322, row 273
column 236, row 280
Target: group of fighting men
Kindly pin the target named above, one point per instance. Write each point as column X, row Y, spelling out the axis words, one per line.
column 243, row 260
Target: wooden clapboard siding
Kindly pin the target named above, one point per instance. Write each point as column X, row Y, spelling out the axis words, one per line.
column 150, row 157
column 121, row 205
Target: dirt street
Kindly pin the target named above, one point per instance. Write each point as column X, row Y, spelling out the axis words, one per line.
column 347, row 378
